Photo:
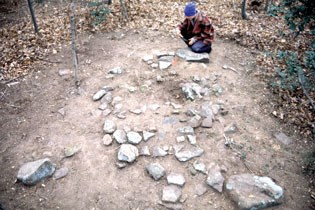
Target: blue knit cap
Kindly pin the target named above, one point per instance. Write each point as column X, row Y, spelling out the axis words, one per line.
column 190, row 9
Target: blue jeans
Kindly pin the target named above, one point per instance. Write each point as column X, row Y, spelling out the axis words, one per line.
column 200, row 47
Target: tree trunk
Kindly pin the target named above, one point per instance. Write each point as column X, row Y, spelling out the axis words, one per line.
column 33, row 15
column 244, row 16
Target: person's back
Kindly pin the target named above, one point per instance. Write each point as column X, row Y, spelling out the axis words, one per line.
column 196, row 30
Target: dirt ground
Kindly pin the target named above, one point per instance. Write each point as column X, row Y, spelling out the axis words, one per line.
column 32, row 128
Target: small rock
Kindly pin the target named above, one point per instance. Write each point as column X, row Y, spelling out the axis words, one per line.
column 207, row 122
column 171, row 194
column 121, row 165
column 284, row 139
column 215, row 108
column 116, row 70
column 159, row 78
column 177, row 179
column 159, row 152
column 62, row 111
column 60, row 173
column 135, row 111
column 106, row 112
column 145, row 151
column 164, row 65
column 99, row 94
column 70, row 151
column 201, row 189
column 128, row 153
column 32, row 172
column 121, row 115
column 215, row 178
column 154, row 107
column 120, row 136
column 171, row 206
column 107, row 140
column 191, row 91
column 185, row 155
column 103, row 106
column 109, row 126
column 117, row 100
column 195, row 121
column 147, row 58
column 147, row 135
column 155, row 170
column 192, row 112
column 170, row 120
column 192, row 170
column 176, row 106
column 231, row 128
column 134, row 137
column 188, row 130
column 192, row 139
column 190, row 56
column 206, row 111
column 201, row 167
column 180, row 139
column 166, row 58
column 154, row 65
column 63, row 72
column 107, row 98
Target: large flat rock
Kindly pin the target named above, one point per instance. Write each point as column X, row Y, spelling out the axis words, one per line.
column 190, row 56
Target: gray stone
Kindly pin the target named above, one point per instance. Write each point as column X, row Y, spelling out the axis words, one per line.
column 171, row 206
column 191, row 91
column 147, row 135
column 121, row 115
column 96, row 113
column 215, row 108
column 159, row 79
column 145, row 151
column 155, row 170
column 170, row 120
column 121, row 165
column 32, row 172
column 62, row 111
column 185, row 155
column 196, row 79
column 60, row 173
column 103, row 106
column 117, row 100
column 190, row 56
column 231, row 128
column 175, row 178
column 128, row 153
column 147, row 58
column 118, row 108
column 107, row 98
column 109, row 126
column 187, row 130
column 135, row 111
column 107, row 140
column 284, row 139
column 215, row 178
column 200, row 189
column 192, row 139
column 116, row 70
column 206, row 110
column 120, row 136
column 171, row 194
column 134, row 137
column 106, row 112
column 192, row 112
column 154, row 65
column 180, row 139
column 158, row 152
column 154, row 107
column 71, row 150
column 195, row 121
column 63, row 72
column 253, row 192
column 167, row 58
column 99, row 94
column 207, row 122
column 176, row 106
column 164, row 65
column 199, row 166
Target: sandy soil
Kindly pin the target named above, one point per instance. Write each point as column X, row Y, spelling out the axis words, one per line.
column 32, row 128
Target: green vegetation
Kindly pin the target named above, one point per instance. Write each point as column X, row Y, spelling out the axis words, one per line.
column 99, row 12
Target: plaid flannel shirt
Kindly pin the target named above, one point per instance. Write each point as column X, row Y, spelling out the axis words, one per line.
column 201, row 30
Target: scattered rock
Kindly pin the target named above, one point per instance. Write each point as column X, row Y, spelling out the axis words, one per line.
column 99, row 94
column 60, row 173
column 187, row 130
column 201, row 189
column 177, row 179
column 135, row 111
column 199, row 166
column 195, row 121
column 62, row 111
column 171, row 194
column 147, row 58
column 180, row 139
column 170, row 120
column 284, row 139
column 106, row 112
column 121, row 165
column 253, row 192
column 159, row 152
column 103, row 106
column 72, row 150
column 154, row 107
column 191, row 91
column 190, row 56
column 166, row 58
column 164, row 65
column 147, row 135
column 207, row 122
column 120, row 136
column 192, row 112
column 154, row 65
column 63, row 72
column 109, row 127
column 176, row 106
column 192, row 139
column 171, row 206
column 215, row 108
column 32, row 172
column 116, row 70
column 231, row 128
column 215, row 178
column 108, row 98
column 128, row 153
column 185, row 155
column 145, row 151
column 107, row 140
column 117, row 100
column 192, row 170
column 134, row 137
column 155, row 170
column 206, row 110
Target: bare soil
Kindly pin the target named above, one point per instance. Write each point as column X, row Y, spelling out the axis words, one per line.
column 32, row 128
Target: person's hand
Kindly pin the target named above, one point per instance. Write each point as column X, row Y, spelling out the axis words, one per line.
column 192, row 41
column 178, row 32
